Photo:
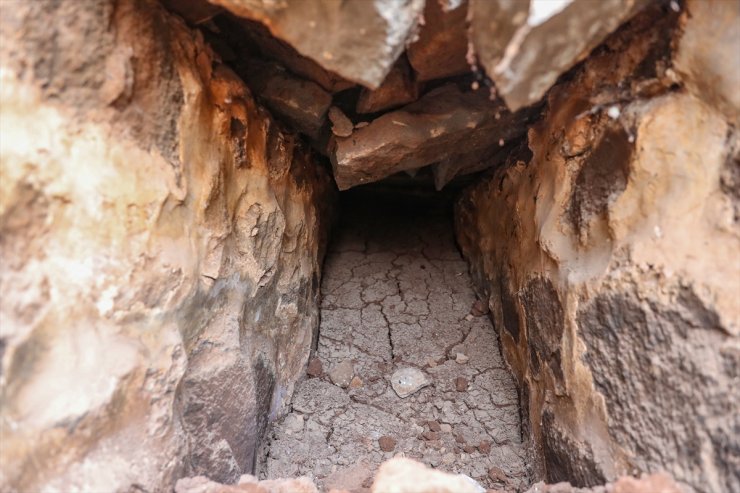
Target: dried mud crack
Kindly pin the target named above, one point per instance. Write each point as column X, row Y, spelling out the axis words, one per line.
column 396, row 294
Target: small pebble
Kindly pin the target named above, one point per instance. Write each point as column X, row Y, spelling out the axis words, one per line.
column 433, row 426
column 461, row 358
column 445, row 428
column 484, row 447
column 355, row 383
column 315, row 368
column 407, row 381
column 461, row 384
column 341, row 125
column 459, row 438
column 496, row 474
column 386, row 443
column 341, row 375
column 469, row 449
column 479, row 308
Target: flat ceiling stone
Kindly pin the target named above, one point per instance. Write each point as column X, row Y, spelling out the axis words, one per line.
column 445, row 124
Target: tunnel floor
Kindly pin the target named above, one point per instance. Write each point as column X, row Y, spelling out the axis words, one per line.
column 396, row 294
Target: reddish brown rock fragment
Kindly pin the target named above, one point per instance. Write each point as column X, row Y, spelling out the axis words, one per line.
column 461, row 384
column 430, row 435
column 484, row 447
column 315, row 368
column 398, row 88
column 386, row 443
column 497, row 474
column 479, row 308
column 341, row 126
column 443, row 43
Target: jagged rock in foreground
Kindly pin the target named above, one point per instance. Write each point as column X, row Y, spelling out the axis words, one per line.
column 160, row 249
column 358, row 39
column 401, row 475
column 445, row 124
column 246, row 484
column 604, row 259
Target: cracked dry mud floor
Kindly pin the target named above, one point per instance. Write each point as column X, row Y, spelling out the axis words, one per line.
column 396, row 293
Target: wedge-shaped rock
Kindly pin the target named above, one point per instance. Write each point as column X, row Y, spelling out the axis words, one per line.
column 301, row 103
column 443, row 41
column 445, row 124
column 398, row 88
column 358, row 39
column 525, row 47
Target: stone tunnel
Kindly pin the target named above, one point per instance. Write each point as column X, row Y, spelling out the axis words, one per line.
column 369, row 246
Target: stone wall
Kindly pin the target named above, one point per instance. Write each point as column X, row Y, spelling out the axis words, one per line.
column 160, row 245
column 608, row 253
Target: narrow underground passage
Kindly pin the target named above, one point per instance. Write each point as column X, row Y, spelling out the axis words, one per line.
column 398, row 316
column 169, row 168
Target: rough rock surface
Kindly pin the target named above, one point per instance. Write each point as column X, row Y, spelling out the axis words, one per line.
column 160, row 247
column 401, row 475
column 301, row 103
column 399, row 87
column 272, row 48
column 526, row 45
column 707, row 54
column 444, row 125
column 441, row 48
column 396, row 294
column 358, row 39
column 604, row 260
column 246, row 484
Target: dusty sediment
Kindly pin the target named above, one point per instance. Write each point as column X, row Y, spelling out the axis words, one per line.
column 396, row 294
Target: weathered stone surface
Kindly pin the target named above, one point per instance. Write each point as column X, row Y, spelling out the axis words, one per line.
column 194, row 11
column 441, row 48
column 341, row 125
column 603, row 257
column 358, row 39
column 653, row 483
column 526, row 46
column 445, row 124
column 301, row 103
column 707, row 56
column 399, row 88
column 400, row 475
column 247, row 484
column 275, row 49
column 342, row 374
column 406, row 381
column 160, row 252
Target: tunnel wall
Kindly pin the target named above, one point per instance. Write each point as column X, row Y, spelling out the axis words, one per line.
column 608, row 255
column 161, row 244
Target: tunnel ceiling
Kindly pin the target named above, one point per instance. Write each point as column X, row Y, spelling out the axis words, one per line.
column 383, row 87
